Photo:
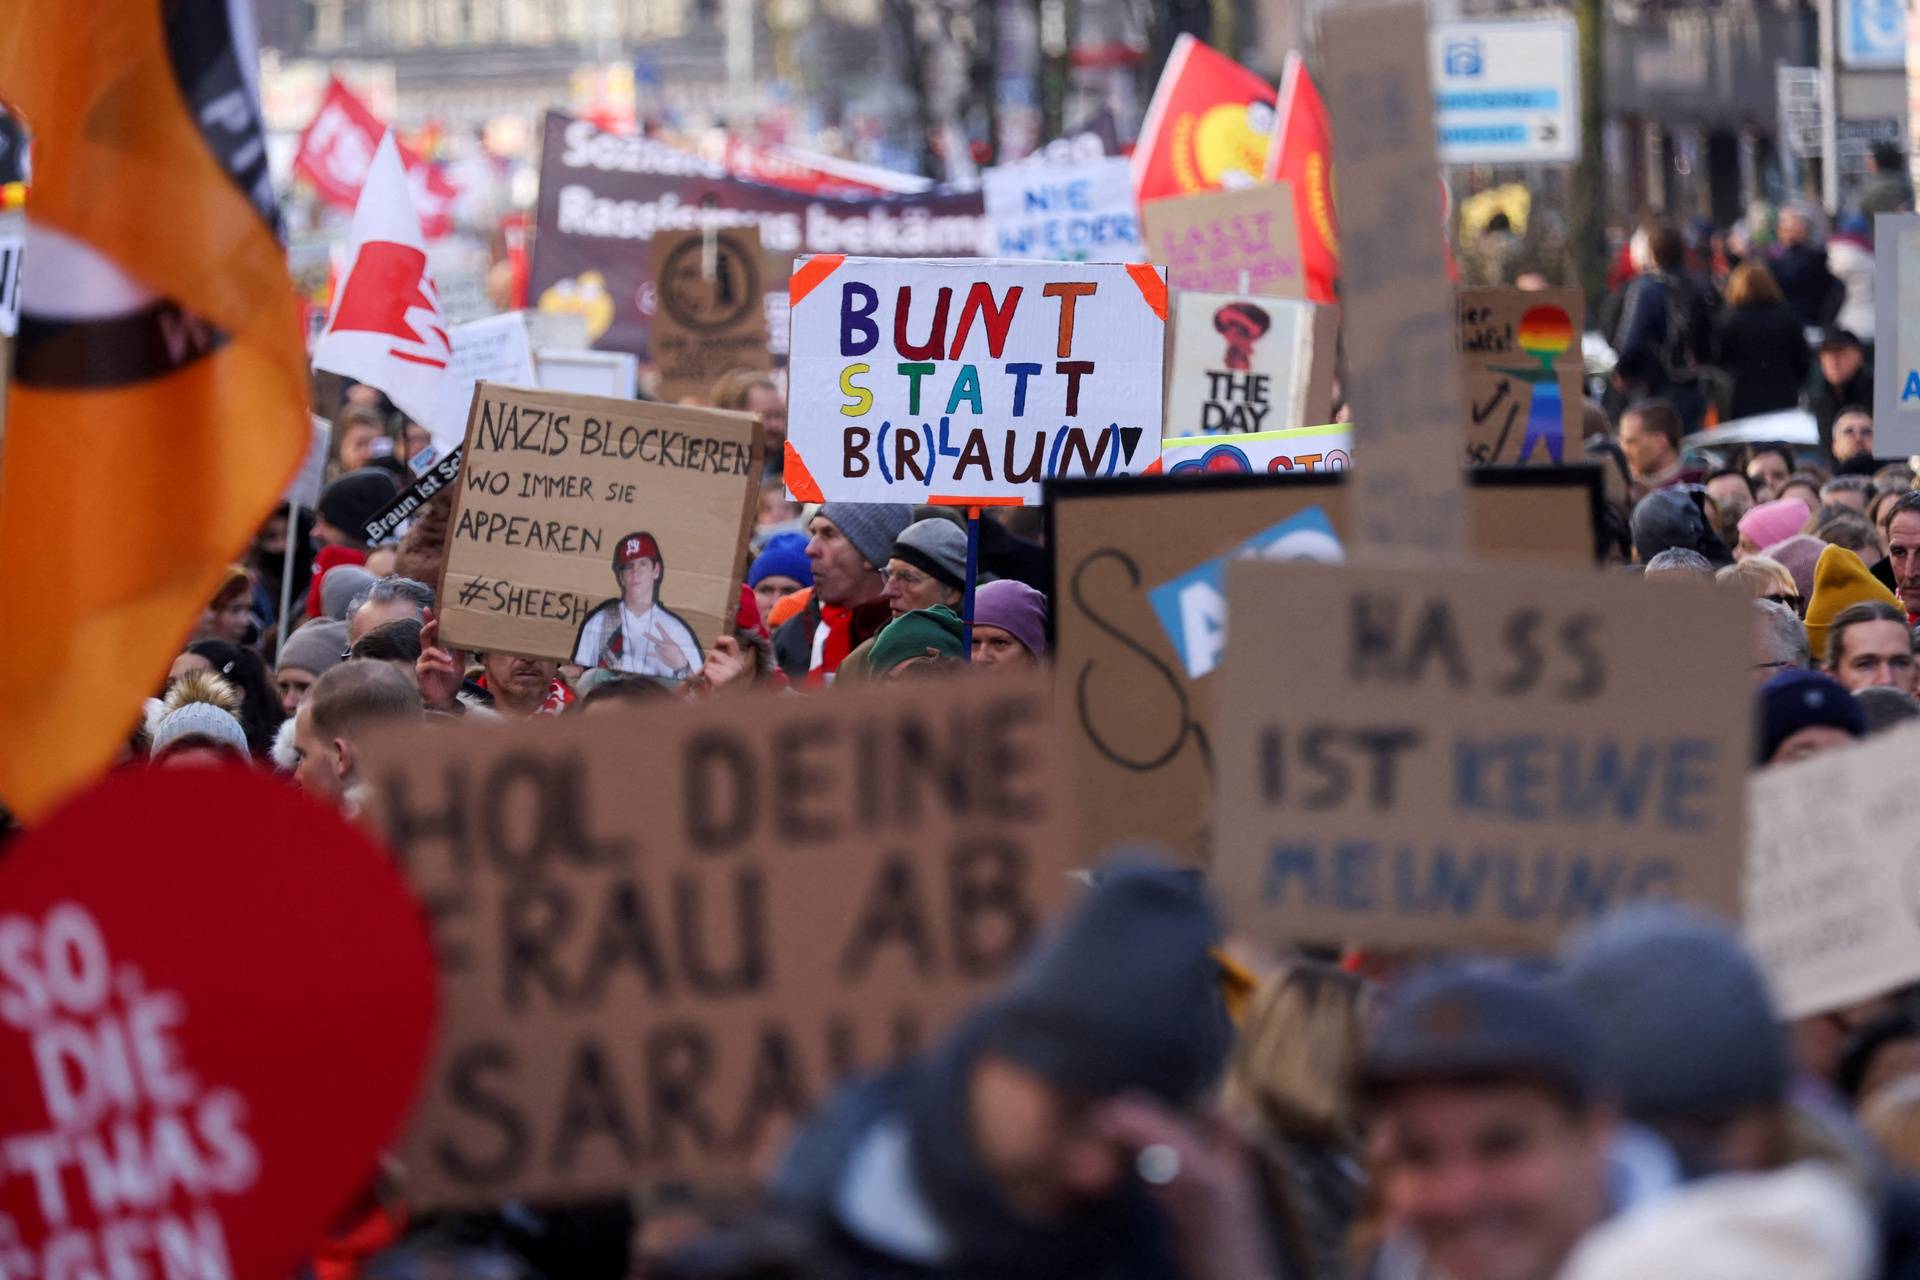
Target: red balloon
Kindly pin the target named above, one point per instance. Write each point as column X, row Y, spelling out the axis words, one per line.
column 216, row 998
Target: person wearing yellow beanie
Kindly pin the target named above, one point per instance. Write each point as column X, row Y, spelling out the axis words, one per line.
column 1840, row 579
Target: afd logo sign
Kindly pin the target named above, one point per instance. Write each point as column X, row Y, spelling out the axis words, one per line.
column 1465, row 57
column 1192, row 608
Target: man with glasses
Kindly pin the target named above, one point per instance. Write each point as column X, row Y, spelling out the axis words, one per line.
column 928, row 567
column 1869, row 645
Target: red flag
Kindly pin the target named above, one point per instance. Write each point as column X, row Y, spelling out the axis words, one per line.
column 1207, row 127
column 1302, row 155
column 336, row 150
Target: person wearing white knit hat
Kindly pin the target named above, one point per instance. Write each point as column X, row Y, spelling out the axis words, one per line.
column 196, row 724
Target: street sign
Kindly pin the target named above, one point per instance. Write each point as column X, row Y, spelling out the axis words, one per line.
column 1873, row 34
column 1507, row 92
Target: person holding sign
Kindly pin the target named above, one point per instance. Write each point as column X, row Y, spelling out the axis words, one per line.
column 634, row 632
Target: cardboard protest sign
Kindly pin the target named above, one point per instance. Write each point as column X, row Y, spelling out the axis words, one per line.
column 1244, row 364
column 666, row 934
column 1896, row 367
column 1304, row 449
column 1138, row 728
column 1079, row 212
column 604, row 532
column 1520, row 357
column 604, row 195
column 1230, row 241
column 958, row 382
column 201, row 1060
column 1833, row 875
column 1397, row 302
column 709, row 317
column 1474, row 755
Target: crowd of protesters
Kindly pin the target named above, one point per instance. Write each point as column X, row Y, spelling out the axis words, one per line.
column 1150, row 1097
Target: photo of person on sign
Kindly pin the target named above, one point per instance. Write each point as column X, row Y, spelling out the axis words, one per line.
column 634, row 632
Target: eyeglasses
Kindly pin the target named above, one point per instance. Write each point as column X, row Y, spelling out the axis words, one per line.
column 905, row 578
column 1791, row 601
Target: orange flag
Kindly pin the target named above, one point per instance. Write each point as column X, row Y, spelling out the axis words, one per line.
column 158, row 403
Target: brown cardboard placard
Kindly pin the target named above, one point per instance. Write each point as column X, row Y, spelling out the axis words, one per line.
column 709, row 313
column 1475, row 754
column 664, row 934
column 1520, row 355
column 556, row 487
column 1209, row 242
column 1403, row 377
column 1135, row 726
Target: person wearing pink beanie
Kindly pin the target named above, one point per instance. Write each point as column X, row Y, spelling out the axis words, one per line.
column 1009, row 624
column 1769, row 523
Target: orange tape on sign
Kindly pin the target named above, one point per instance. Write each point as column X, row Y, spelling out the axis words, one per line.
column 800, row 481
column 817, row 268
column 1152, row 285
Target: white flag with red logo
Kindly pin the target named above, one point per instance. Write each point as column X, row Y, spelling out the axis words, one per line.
column 386, row 328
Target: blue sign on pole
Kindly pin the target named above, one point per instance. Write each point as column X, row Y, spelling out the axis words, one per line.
column 1873, row 33
column 1506, row 92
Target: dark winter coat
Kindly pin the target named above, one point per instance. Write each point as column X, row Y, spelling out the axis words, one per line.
column 1764, row 351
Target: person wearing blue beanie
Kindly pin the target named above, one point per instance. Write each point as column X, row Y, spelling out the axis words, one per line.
column 780, row 569
column 1803, row 713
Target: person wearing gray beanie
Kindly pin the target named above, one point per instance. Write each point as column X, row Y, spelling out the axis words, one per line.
column 848, row 544
column 1688, row 1036
column 872, row 527
column 928, row 567
column 343, row 584
column 1045, row 1137
column 308, row 654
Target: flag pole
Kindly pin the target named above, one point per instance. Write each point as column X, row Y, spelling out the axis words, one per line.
column 286, row 580
column 973, row 574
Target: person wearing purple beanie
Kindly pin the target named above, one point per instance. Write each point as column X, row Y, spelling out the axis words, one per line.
column 1009, row 624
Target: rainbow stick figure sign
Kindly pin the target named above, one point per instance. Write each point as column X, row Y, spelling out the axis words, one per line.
column 1521, row 354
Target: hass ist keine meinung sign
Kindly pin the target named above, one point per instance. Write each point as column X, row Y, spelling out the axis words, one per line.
column 957, row 381
column 1475, row 755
